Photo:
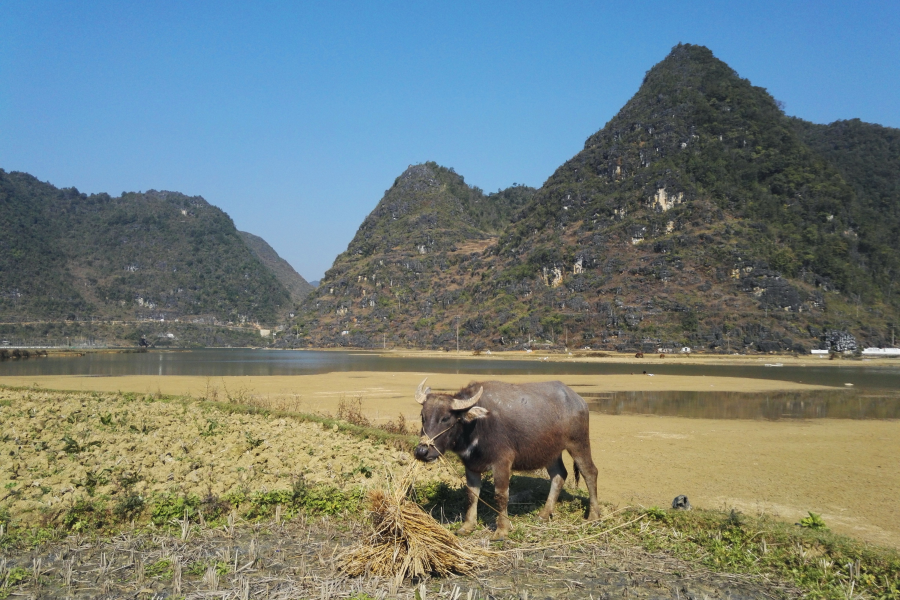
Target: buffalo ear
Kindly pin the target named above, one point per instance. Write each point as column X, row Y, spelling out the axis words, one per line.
column 476, row 412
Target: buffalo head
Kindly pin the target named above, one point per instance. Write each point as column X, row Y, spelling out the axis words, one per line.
column 443, row 419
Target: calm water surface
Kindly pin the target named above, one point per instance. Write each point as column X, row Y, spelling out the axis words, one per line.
column 875, row 392
column 239, row 361
column 847, row 403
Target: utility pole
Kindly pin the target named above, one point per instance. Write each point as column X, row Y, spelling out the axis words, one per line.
column 457, row 334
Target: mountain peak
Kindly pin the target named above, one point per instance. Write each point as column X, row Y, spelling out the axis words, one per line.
column 422, row 175
column 697, row 216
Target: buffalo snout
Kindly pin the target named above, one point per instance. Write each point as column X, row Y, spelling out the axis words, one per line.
column 425, row 453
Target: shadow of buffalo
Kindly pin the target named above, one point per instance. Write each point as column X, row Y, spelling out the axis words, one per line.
column 527, row 494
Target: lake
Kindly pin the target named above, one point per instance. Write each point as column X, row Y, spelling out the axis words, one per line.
column 247, row 362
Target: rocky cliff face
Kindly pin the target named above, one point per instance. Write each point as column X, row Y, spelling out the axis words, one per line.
column 698, row 216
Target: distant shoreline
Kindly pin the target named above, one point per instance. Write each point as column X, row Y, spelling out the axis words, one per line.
column 589, row 356
column 579, row 356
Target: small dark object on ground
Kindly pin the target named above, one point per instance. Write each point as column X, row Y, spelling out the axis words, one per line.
column 681, row 503
column 639, row 355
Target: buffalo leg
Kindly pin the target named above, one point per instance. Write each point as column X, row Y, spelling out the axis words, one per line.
column 473, row 487
column 502, row 472
column 585, row 464
column 557, row 472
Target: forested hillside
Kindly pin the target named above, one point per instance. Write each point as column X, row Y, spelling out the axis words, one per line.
column 295, row 284
column 868, row 158
column 700, row 215
column 65, row 255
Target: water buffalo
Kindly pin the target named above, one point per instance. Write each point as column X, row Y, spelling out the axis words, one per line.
column 501, row 427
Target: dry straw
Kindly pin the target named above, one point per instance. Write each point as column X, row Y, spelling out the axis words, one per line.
column 406, row 541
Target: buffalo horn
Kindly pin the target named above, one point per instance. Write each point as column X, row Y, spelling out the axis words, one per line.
column 466, row 404
column 421, row 393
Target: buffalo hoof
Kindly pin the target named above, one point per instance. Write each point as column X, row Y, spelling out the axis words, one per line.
column 500, row 535
column 544, row 515
column 465, row 530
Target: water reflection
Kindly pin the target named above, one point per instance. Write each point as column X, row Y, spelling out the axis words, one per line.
column 820, row 404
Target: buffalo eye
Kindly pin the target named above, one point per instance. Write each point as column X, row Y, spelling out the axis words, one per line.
column 445, row 419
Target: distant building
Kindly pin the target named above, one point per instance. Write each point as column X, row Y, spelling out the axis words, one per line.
column 881, row 352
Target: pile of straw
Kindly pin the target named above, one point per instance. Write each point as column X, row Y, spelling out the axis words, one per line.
column 406, row 541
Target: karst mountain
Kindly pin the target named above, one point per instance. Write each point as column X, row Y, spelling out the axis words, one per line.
column 700, row 215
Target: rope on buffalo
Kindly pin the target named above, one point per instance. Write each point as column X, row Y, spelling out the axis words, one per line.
column 429, row 441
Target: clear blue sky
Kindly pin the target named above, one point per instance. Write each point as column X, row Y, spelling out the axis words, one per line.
column 294, row 117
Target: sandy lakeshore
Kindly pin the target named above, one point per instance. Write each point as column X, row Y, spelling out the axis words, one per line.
column 844, row 470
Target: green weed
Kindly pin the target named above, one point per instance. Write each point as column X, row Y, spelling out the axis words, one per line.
column 211, row 426
column 143, row 429
column 129, row 507
column 813, row 521
column 657, row 514
column 252, row 441
column 201, row 566
column 174, row 506
column 92, row 479
column 17, row 575
column 301, row 497
column 161, row 568
column 85, row 515
column 71, row 446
